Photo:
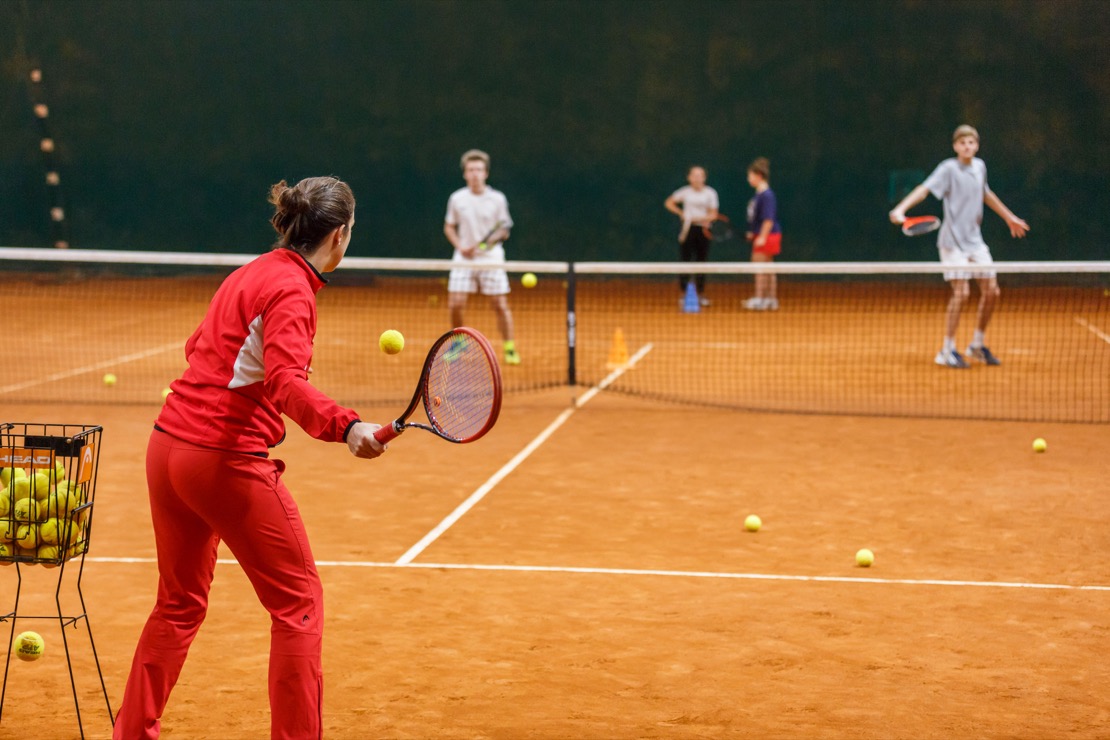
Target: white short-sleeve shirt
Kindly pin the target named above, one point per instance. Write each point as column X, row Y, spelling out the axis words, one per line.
column 475, row 215
column 696, row 204
column 962, row 188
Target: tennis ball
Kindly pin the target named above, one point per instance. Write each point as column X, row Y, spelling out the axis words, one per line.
column 20, row 490
column 29, row 646
column 391, row 341
column 864, row 558
column 25, row 510
column 753, row 523
column 1039, row 445
column 529, row 280
column 109, row 379
column 7, row 475
column 40, row 486
column 48, row 532
column 5, row 502
column 8, row 530
column 7, row 553
column 27, row 536
column 166, row 393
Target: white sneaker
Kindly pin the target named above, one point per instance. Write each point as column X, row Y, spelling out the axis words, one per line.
column 770, row 304
column 755, row 304
column 705, row 302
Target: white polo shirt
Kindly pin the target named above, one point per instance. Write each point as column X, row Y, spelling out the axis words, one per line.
column 474, row 215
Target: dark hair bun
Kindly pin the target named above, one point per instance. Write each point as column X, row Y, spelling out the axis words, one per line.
column 306, row 212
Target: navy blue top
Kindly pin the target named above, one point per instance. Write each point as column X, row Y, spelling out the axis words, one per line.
column 763, row 207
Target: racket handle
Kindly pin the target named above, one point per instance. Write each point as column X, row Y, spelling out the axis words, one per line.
column 387, row 433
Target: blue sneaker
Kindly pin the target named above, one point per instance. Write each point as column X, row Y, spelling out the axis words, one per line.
column 983, row 355
column 951, row 358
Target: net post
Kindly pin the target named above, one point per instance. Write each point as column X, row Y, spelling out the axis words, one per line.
column 572, row 328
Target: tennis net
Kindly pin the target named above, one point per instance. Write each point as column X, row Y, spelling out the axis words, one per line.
column 852, row 338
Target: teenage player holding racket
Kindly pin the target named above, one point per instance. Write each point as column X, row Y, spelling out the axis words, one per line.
column 765, row 234
column 961, row 182
column 210, row 477
column 477, row 224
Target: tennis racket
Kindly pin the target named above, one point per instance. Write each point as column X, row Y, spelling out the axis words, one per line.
column 919, row 225
column 484, row 245
column 459, row 387
column 719, row 229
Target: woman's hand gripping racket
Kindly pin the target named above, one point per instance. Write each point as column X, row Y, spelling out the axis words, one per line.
column 919, row 225
column 460, row 388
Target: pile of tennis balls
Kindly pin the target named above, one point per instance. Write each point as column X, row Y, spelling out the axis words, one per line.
column 38, row 517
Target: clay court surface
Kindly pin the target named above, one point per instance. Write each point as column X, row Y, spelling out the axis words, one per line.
column 533, row 616
column 605, row 587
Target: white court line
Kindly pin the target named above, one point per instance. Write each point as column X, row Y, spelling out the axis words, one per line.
column 1093, row 329
column 90, row 368
column 666, row 574
column 520, row 457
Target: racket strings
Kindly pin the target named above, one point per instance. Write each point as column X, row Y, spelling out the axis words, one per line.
column 459, row 393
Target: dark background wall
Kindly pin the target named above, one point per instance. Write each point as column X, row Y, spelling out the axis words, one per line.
column 172, row 118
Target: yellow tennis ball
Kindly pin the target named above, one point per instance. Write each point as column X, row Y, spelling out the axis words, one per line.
column 7, row 475
column 20, row 490
column 166, row 393
column 25, row 510
column 7, row 553
column 753, row 523
column 1039, row 445
column 529, row 280
column 39, row 486
column 27, row 536
column 391, row 341
column 29, row 646
column 5, row 502
column 48, row 532
column 864, row 558
column 109, row 379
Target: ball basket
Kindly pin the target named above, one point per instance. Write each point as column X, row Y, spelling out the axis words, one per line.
column 47, row 493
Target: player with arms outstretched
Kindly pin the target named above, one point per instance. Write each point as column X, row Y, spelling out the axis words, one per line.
column 477, row 224
column 961, row 182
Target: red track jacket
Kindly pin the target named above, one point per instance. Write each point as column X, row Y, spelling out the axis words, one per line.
column 249, row 360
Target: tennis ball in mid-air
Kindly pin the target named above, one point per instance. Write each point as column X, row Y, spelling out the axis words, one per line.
column 529, row 280
column 391, row 341
column 753, row 523
column 109, row 379
column 1039, row 445
column 864, row 558
column 29, row 646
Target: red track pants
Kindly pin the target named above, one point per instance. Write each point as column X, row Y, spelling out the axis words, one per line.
column 198, row 497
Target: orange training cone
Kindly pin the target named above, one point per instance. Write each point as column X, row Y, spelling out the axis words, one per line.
column 618, row 352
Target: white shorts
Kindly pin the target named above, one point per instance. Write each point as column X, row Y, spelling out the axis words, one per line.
column 951, row 256
column 490, row 282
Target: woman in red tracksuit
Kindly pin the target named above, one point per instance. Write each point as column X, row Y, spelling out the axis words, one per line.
column 210, row 477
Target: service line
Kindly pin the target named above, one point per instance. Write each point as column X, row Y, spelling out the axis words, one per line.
column 113, row 362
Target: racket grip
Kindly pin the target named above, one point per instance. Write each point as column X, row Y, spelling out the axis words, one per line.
column 387, row 433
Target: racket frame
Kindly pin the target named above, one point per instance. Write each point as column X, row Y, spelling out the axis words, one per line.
column 708, row 229
column 421, row 397
column 920, row 225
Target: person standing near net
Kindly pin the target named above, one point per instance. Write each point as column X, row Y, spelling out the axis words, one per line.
column 961, row 183
column 210, row 477
column 765, row 234
column 696, row 204
column 477, row 225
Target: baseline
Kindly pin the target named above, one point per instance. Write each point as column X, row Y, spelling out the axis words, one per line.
column 663, row 573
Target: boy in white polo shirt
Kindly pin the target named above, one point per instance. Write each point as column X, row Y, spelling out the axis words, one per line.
column 477, row 223
column 961, row 182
